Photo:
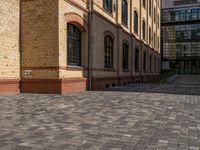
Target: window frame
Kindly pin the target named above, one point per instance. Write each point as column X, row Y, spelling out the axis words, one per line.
column 108, row 48
column 144, row 61
column 143, row 30
column 124, row 12
column 137, row 59
column 144, row 4
column 125, row 57
column 108, row 6
column 77, row 60
column 136, row 23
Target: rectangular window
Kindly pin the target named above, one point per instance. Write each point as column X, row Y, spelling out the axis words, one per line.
column 125, row 57
column 144, row 62
column 150, row 65
column 136, row 59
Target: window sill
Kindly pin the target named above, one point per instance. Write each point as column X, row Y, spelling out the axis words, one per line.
column 125, row 25
column 109, row 69
column 108, row 12
column 75, row 68
column 126, row 70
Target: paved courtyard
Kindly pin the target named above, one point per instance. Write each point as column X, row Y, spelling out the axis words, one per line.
column 136, row 117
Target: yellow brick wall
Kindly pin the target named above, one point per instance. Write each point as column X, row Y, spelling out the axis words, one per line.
column 44, row 36
column 64, row 8
column 9, row 39
column 39, row 37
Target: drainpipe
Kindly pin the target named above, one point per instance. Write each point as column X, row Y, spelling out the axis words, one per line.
column 89, row 76
column 141, row 48
column 20, row 43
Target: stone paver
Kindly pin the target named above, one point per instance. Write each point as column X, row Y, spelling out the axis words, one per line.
column 137, row 117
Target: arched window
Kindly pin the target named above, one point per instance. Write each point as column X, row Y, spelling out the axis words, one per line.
column 143, row 30
column 107, row 5
column 136, row 59
column 144, row 3
column 150, row 7
column 73, row 45
column 135, row 22
column 150, row 38
column 108, row 44
column 124, row 12
column 125, row 57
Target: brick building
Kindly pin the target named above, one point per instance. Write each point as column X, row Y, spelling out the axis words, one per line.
column 65, row 44
column 9, row 46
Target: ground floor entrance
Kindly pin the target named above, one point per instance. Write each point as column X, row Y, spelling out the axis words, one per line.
column 182, row 66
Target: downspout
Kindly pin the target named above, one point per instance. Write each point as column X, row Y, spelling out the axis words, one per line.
column 20, row 44
column 147, row 40
column 140, row 52
column 161, row 36
column 117, row 41
column 131, row 38
column 89, row 75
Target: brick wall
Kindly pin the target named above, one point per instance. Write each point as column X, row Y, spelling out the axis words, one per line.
column 39, row 38
column 9, row 39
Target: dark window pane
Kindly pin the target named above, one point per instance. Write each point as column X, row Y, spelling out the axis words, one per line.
column 107, row 4
column 124, row 12
column 108, row 58
column 125, row 57
column 135, row 22
column 73, row 45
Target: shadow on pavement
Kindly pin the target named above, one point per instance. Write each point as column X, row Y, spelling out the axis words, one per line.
column 159, row 88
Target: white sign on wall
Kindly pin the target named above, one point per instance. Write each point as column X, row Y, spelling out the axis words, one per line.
column 28, row 73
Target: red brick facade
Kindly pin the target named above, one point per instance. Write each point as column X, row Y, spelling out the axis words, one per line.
column 53, row 86
column 9, row 86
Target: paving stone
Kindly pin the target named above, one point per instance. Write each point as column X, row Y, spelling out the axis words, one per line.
column 135, row 117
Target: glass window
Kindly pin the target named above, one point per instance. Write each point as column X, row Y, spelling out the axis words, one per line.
column 125, row 57
column 124, row 12
column 150, row 64
column 182, row 15
column 73, row 45
column 144, row 3
column 199, row 13
column 194, row 13
column 135, row 22
column 150, row 38
column 136, row 59
column 143, row 30
column 177, row 16
column 144, row 61
column 107, row 5
column 108, row 44
column 188, row 14
column 155, row 64
column 150, row 7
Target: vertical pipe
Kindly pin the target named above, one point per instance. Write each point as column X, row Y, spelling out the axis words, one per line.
column 20, row 42
column 90, row 45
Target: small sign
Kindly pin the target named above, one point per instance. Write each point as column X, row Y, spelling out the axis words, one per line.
column 28, row 73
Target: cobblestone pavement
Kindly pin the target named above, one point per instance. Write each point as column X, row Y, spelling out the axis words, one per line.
column 137, row 117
